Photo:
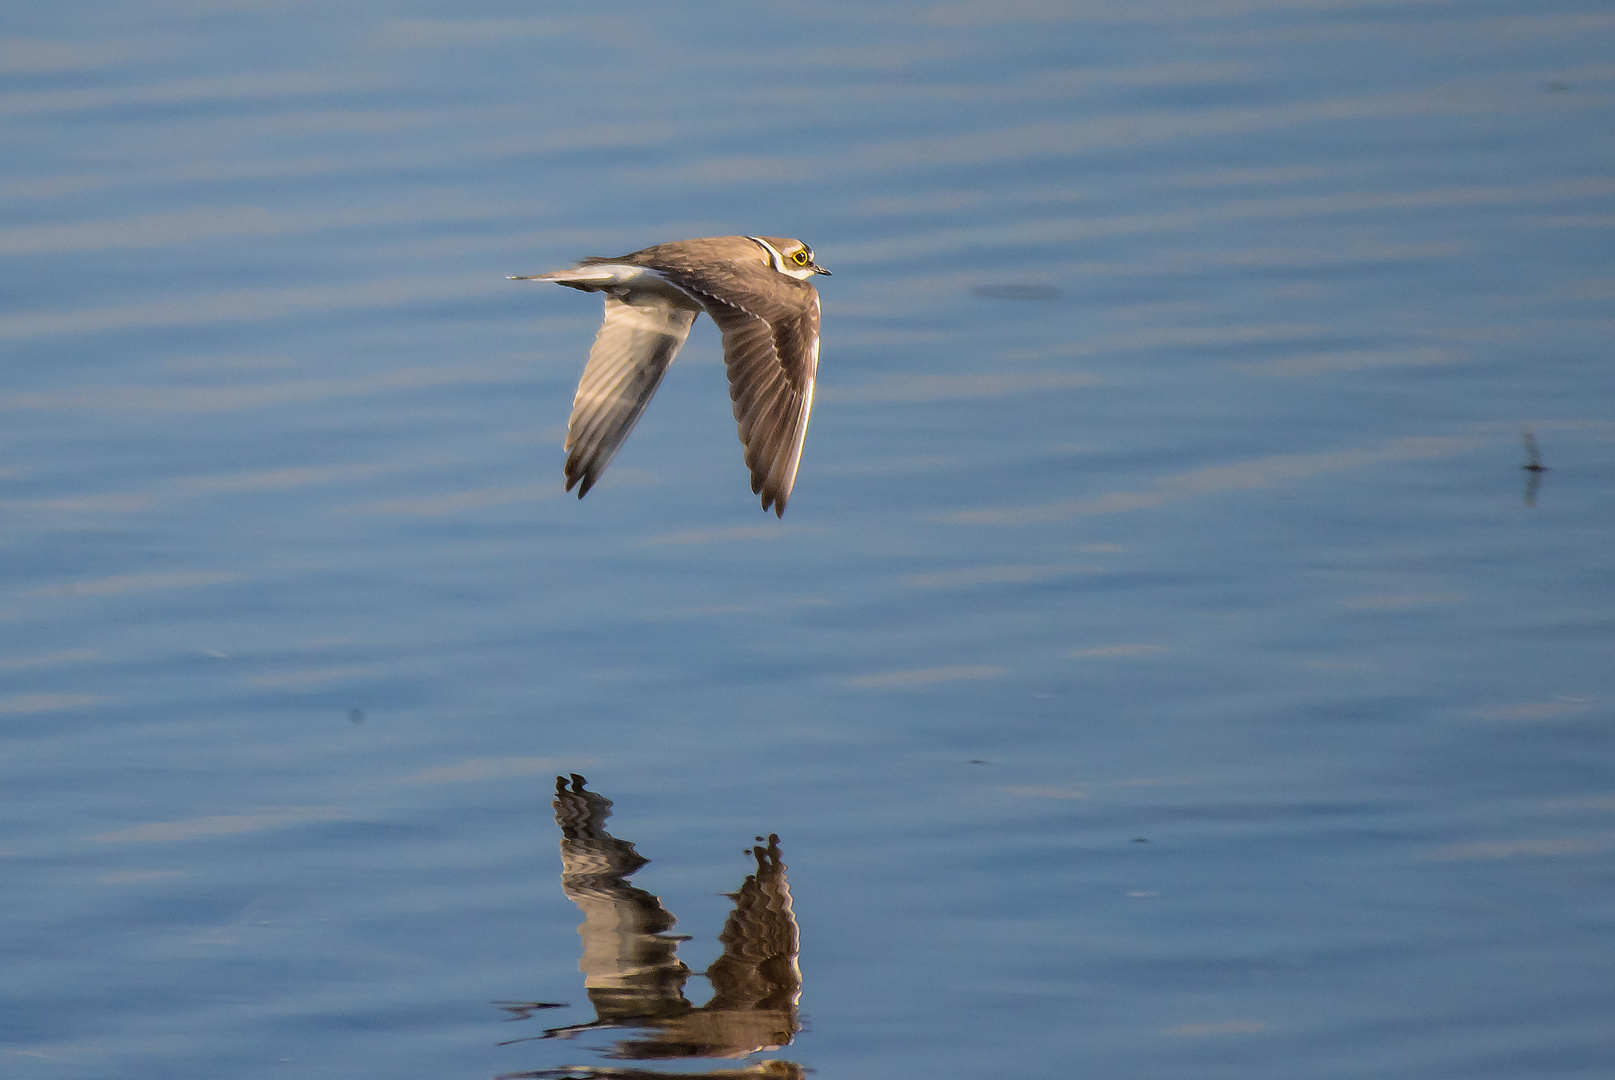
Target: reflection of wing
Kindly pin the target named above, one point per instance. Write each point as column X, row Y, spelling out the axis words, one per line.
column 631, row 969
column 582, row 813
column 630, row 355
column 758, row 967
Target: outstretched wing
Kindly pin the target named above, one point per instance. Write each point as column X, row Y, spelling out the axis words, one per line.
column 630, row 355
column 772, row 365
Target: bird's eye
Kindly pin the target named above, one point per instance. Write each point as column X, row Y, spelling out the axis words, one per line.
column 801, row 258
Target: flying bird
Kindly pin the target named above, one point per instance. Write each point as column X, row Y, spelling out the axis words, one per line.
column 757, row 289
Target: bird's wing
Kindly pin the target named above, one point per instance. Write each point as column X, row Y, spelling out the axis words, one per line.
column 771, row 367
column 630, row 355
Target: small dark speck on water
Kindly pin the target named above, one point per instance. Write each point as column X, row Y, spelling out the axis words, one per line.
column 1016, row 292
column 356, row 716
column 1140, row 840
column 521, row 1010
column 1533, row 465
column 1533, row 462
column 977, row 761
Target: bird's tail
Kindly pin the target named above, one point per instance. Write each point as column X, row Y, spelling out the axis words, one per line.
column 587, row 278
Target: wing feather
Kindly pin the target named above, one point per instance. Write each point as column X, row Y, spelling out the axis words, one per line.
column 631, row 353
column 772, row 366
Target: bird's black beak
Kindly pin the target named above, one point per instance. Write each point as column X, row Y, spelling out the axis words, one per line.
column 822, row 270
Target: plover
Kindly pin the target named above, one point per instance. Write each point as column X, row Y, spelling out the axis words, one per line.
column 756, row 288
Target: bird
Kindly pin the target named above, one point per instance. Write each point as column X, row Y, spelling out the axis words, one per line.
column 758, row 290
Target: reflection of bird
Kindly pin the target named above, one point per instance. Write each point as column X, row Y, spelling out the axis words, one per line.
column 763, row 1070
column 756, row 289
column 632, row 973
column 1533, row 465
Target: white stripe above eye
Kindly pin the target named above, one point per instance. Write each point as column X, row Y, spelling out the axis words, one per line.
column 774, row 255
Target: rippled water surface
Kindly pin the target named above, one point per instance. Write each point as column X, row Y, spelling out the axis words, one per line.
column 1166, row 667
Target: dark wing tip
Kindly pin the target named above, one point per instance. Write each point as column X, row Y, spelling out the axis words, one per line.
column 580, row 477
column 773, row 500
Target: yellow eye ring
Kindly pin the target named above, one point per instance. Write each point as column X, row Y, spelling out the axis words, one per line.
column 800, row 258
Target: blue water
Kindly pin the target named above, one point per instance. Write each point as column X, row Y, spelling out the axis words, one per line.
column 1165, row 667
